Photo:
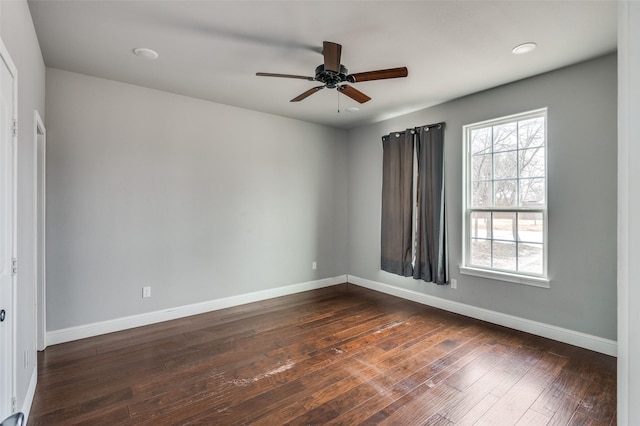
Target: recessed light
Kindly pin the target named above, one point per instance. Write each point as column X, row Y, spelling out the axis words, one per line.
column 145, row 53
column 523, row 48
column 352, row 109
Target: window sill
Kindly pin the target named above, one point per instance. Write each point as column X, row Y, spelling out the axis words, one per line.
column 504, row 276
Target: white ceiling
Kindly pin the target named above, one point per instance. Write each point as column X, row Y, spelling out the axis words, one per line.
column 212, row 49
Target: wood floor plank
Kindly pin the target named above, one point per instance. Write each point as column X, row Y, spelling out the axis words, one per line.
column 478, row 411
column 563, row 394
column 340, row 355
column 437, row 420
column 318, row 390
column 411, row 409
column 506, row 372
column 521, row 396
column 533, row 418
column 599, row 401
column 580, row 419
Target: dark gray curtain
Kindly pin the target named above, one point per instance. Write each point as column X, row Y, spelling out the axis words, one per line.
column 431, row 262
column 397, row 194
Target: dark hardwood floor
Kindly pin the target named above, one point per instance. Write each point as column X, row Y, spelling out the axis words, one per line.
column 342, row 355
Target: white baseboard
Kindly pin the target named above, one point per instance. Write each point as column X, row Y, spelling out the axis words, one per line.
column 576, row 338
column 31, row 393
column 118, row 324
column 583, row 340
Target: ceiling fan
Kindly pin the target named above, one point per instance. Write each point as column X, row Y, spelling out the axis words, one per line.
column 332, row 74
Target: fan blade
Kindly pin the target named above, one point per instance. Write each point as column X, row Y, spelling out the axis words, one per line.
column 354, row 94
column 268, row 74
column 331, row 52
column 378, row 75
column 306, row 94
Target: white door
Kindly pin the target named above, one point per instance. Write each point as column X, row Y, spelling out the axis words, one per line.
column 7, row 228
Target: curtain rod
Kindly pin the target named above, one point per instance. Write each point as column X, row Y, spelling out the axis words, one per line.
column 425, row 126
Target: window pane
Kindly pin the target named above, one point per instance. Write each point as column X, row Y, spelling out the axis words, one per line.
column 532, row 192
column 532, row 162
column 505, row 193
column 506, row 166
column 506, row 202
column 481, row 224
column 530, row 258
column 504, row 226
column 481, row 166
column 531, row 133
column 530, row 227
column 504, row 255
column 481, row 141
column 481, row 253
column 481, row 194
column 505, row 137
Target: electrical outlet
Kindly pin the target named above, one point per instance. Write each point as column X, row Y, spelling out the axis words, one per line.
column 146, row 291
column 314, row 265
column 454, row 284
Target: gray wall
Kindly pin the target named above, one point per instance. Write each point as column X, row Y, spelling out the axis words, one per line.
column 18, row 35
column 198, row 200
column 582, row 175
column 150, row 188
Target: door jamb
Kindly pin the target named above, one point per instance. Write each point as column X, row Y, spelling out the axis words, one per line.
column 40, row 203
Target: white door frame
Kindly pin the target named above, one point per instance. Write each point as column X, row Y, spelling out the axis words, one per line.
column 39, row 229
column 8, row 387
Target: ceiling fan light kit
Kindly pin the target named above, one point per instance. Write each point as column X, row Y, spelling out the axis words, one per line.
column 333, row 75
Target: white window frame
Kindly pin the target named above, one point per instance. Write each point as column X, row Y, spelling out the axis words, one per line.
column 538, row 280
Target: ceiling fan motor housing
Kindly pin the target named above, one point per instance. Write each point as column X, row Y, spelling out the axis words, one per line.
column 330, row 78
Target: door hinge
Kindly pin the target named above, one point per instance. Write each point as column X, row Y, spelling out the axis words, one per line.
column 15, row 127
column 14, row 405
column 14, row 266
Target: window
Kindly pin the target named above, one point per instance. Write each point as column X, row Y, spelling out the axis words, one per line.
column 505, row 199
